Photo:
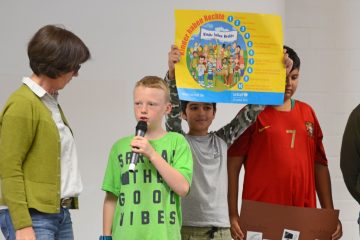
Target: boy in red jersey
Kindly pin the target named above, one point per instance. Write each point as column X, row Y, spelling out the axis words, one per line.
column 283, row 156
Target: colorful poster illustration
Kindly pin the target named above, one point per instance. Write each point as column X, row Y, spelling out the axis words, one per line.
column 230, row 57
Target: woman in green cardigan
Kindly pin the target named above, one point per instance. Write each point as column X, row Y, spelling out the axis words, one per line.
column 39, row 173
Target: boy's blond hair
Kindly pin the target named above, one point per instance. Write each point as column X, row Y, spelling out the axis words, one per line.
column 154, row 82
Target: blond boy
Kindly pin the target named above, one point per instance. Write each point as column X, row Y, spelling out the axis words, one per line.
column 145, row 204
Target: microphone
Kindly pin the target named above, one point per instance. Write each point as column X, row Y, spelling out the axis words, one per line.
column 140, row 130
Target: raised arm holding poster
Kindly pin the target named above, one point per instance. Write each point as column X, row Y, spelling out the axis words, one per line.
column 230, row 57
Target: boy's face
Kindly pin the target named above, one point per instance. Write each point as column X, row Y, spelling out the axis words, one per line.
column 150, row 105
column 291, row 83
column 199, row 117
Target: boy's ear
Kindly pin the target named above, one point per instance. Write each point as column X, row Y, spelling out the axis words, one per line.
column 168, row 108
column 183, row 115
column 214, row 113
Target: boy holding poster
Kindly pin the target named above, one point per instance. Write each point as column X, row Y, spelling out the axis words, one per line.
column 205, row 214
column 283, row 157
column 145, row 203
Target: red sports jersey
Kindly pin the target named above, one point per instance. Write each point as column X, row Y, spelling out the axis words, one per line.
column 281, row 149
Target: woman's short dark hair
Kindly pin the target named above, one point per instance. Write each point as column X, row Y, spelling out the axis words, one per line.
column 54, row 51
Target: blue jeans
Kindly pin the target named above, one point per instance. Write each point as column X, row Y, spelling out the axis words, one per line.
column 57, row 226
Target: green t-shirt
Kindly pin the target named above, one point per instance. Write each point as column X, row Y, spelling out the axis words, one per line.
column 147, row 208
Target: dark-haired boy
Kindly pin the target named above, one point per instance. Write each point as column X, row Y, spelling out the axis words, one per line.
column 283, row 157
column 205, row 211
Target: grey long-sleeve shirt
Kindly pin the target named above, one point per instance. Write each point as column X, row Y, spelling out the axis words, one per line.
column 206, row 205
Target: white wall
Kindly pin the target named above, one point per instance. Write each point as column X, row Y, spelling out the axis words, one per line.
column 326, row 35
column 127, row 39
column 98, row 102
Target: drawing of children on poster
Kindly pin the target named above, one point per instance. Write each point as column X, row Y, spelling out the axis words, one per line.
column 223, row 42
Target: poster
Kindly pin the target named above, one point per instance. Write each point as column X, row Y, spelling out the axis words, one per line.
column 230, row 57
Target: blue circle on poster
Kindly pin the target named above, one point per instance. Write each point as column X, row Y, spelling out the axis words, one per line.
column 249, row 70
column 246, row 78
column 251, row 52
column 251, row 61
column 214, row 48
column 247, row 35
column 250, row 44
column 242, row 29
column 237, row 23
column 240, row 85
